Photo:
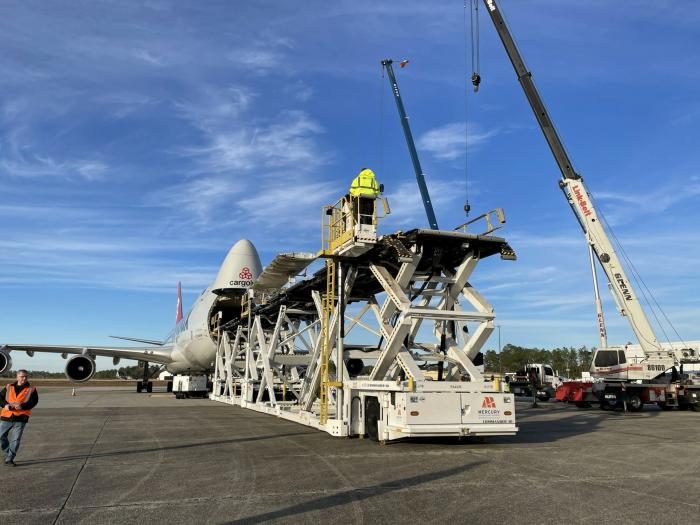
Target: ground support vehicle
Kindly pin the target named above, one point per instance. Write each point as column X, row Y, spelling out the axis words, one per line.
column 190, row 386
column 537, row 377
column 631, row 395
column 291, row 354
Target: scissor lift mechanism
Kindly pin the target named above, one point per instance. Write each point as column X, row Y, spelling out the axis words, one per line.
column 271, row 359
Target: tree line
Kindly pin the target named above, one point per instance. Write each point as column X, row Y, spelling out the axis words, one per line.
column 568, row 362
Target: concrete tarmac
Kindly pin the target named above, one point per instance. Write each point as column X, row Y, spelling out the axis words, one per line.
column 114, row 456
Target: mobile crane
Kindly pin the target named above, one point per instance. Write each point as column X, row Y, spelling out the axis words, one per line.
column 631, row 374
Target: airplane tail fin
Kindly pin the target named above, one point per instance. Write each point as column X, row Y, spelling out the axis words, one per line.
column 178, row 314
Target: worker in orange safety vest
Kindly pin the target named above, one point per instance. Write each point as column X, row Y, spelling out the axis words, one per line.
column 17, row 400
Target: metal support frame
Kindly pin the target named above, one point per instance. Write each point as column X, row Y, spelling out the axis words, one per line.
column 283, row 356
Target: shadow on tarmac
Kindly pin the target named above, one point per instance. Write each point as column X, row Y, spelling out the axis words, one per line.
column 158, row 449
column 576, row 423
column 354, row 495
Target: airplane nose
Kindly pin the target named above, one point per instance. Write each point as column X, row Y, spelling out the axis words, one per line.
column 244, row 246
column 239, row 270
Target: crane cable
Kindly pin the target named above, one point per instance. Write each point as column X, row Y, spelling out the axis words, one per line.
column 646, row 292
column 467, row 206
column 476, row 59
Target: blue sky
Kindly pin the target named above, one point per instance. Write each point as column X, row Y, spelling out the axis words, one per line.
column 140, row 140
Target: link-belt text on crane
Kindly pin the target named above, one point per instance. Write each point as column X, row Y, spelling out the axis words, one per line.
column 582, row 201
column 623, row 287
column 492, row 6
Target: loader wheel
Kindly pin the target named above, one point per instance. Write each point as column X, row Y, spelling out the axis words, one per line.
column 634, row 403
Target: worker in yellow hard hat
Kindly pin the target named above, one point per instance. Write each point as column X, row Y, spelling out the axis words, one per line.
column 365, row 189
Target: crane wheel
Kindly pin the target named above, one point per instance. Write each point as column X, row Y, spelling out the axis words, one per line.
column 634, row 403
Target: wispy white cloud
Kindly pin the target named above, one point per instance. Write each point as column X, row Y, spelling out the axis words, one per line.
column 263, row 55
column 262, row 170
column 300, row 197
column 200, row 198
column 123, row 104
column 448, row 142
column 288, row 142
column 208, row 107
column 300, row 90
column 37, row 166
column 655, row 200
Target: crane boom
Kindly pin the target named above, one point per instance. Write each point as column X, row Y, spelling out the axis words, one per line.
column 579, row 199
column 420, row 176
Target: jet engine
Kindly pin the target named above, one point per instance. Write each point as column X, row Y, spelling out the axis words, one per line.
column 5, row 361
column 355, row 367
column 80, row 368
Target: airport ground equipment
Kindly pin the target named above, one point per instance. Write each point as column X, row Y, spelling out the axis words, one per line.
column 346, row 350
column 636, row 373
column 190, row 386
column 537, row 377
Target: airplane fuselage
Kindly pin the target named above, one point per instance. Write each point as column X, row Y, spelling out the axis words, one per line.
column 194, row 339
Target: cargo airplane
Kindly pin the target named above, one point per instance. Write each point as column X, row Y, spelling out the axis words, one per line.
column 191, row 347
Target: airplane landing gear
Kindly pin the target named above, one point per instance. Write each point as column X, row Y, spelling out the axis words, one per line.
column 145, row 385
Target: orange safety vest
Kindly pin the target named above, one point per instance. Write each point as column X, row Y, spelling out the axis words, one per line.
column 12, row 397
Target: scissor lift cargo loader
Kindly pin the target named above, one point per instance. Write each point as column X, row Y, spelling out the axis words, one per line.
column 401, row 311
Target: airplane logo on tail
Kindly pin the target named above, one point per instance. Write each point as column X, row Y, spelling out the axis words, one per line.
column 178, row 313
column 489, row 402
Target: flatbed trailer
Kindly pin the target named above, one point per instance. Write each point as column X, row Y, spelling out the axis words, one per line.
column 630, row 395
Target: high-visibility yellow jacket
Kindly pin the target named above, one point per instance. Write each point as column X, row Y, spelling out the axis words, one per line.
column 365, row 184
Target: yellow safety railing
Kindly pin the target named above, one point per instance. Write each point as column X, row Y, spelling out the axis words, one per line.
column 326, row 343
column 494, row 219
column 340, row 220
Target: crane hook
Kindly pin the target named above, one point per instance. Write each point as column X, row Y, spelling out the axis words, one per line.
column 476, row 80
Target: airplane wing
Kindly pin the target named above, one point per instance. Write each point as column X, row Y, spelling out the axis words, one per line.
column 161, row 354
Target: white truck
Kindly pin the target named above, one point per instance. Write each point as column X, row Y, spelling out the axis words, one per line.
column 190, row 386
column 537, row 377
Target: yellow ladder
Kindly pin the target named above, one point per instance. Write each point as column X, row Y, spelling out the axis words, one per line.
column 328, row 307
